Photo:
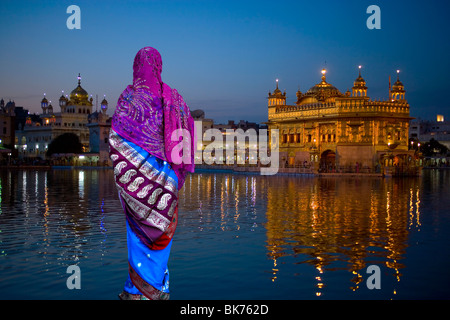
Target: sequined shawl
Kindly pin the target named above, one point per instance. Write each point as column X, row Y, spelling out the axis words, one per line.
column 149, row 111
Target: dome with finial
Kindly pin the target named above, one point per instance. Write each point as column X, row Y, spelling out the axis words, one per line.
column 323, row 90
column 277, row 92
column 63, row 100
column 398, row 85
column 44, row 103
column 360, row 82
column 359, row 86
column 104, row 104
column 398, row 89
column 79, row 96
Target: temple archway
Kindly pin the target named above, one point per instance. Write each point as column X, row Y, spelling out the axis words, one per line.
column 328, row 161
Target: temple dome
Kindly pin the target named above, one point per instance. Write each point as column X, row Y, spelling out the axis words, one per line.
column 398, row 86
column 323, row 90
column 327, row 89
column 79, row 96
column 360, row 81
column 79, row 92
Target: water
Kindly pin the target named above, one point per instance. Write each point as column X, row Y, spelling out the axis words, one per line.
column 239, row 236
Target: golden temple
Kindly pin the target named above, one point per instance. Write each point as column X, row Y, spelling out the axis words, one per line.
column 339, row 132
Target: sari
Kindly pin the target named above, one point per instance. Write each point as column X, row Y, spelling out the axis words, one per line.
column 148, row 173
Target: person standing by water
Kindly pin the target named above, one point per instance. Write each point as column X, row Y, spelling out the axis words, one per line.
column 148, row 172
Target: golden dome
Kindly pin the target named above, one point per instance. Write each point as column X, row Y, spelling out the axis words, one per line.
column 323, row 90
column 79, row 91
column 79, row 96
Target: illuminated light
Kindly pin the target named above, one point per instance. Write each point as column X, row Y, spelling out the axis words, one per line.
column 81, row 157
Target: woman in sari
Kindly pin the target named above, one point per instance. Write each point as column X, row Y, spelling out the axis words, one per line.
column 148, row 172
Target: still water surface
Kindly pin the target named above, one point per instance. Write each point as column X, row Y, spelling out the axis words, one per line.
column 239, row 236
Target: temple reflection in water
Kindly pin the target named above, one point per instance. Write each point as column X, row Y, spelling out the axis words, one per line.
column 297, row 235
column 329, row 223
column 356, row 221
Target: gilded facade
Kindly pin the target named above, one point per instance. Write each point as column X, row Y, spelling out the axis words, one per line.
column 342, row 132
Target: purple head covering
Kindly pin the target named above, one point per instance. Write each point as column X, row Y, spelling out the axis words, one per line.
column 149, row 111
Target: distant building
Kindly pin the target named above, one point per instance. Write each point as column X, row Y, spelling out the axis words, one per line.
column 343, row 132
column 423, row 131
column 33, row 138
column 199, row 115
column 7, row 130
column 7, row 123
column 222, row 155
column 99, row 124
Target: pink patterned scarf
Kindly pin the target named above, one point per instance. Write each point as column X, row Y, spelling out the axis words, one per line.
column 148, row 112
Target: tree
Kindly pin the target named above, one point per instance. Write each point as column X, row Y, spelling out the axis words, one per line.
column 433, row 147
column 65, row 143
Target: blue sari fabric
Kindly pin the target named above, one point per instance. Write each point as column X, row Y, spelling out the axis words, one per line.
column 148, row 276
column 151, row 265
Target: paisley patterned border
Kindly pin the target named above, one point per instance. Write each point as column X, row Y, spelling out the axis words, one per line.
column 140, row 163
column 147, row 289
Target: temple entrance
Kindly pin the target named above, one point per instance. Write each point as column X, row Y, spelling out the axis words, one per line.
column 328, row 161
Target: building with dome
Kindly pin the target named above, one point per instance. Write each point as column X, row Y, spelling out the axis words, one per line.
column 33, row 138
column 332, row 131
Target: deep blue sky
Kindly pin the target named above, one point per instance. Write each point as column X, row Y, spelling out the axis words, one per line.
column 224, row 56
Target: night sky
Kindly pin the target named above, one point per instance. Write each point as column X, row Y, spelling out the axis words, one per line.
column 224, row 56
